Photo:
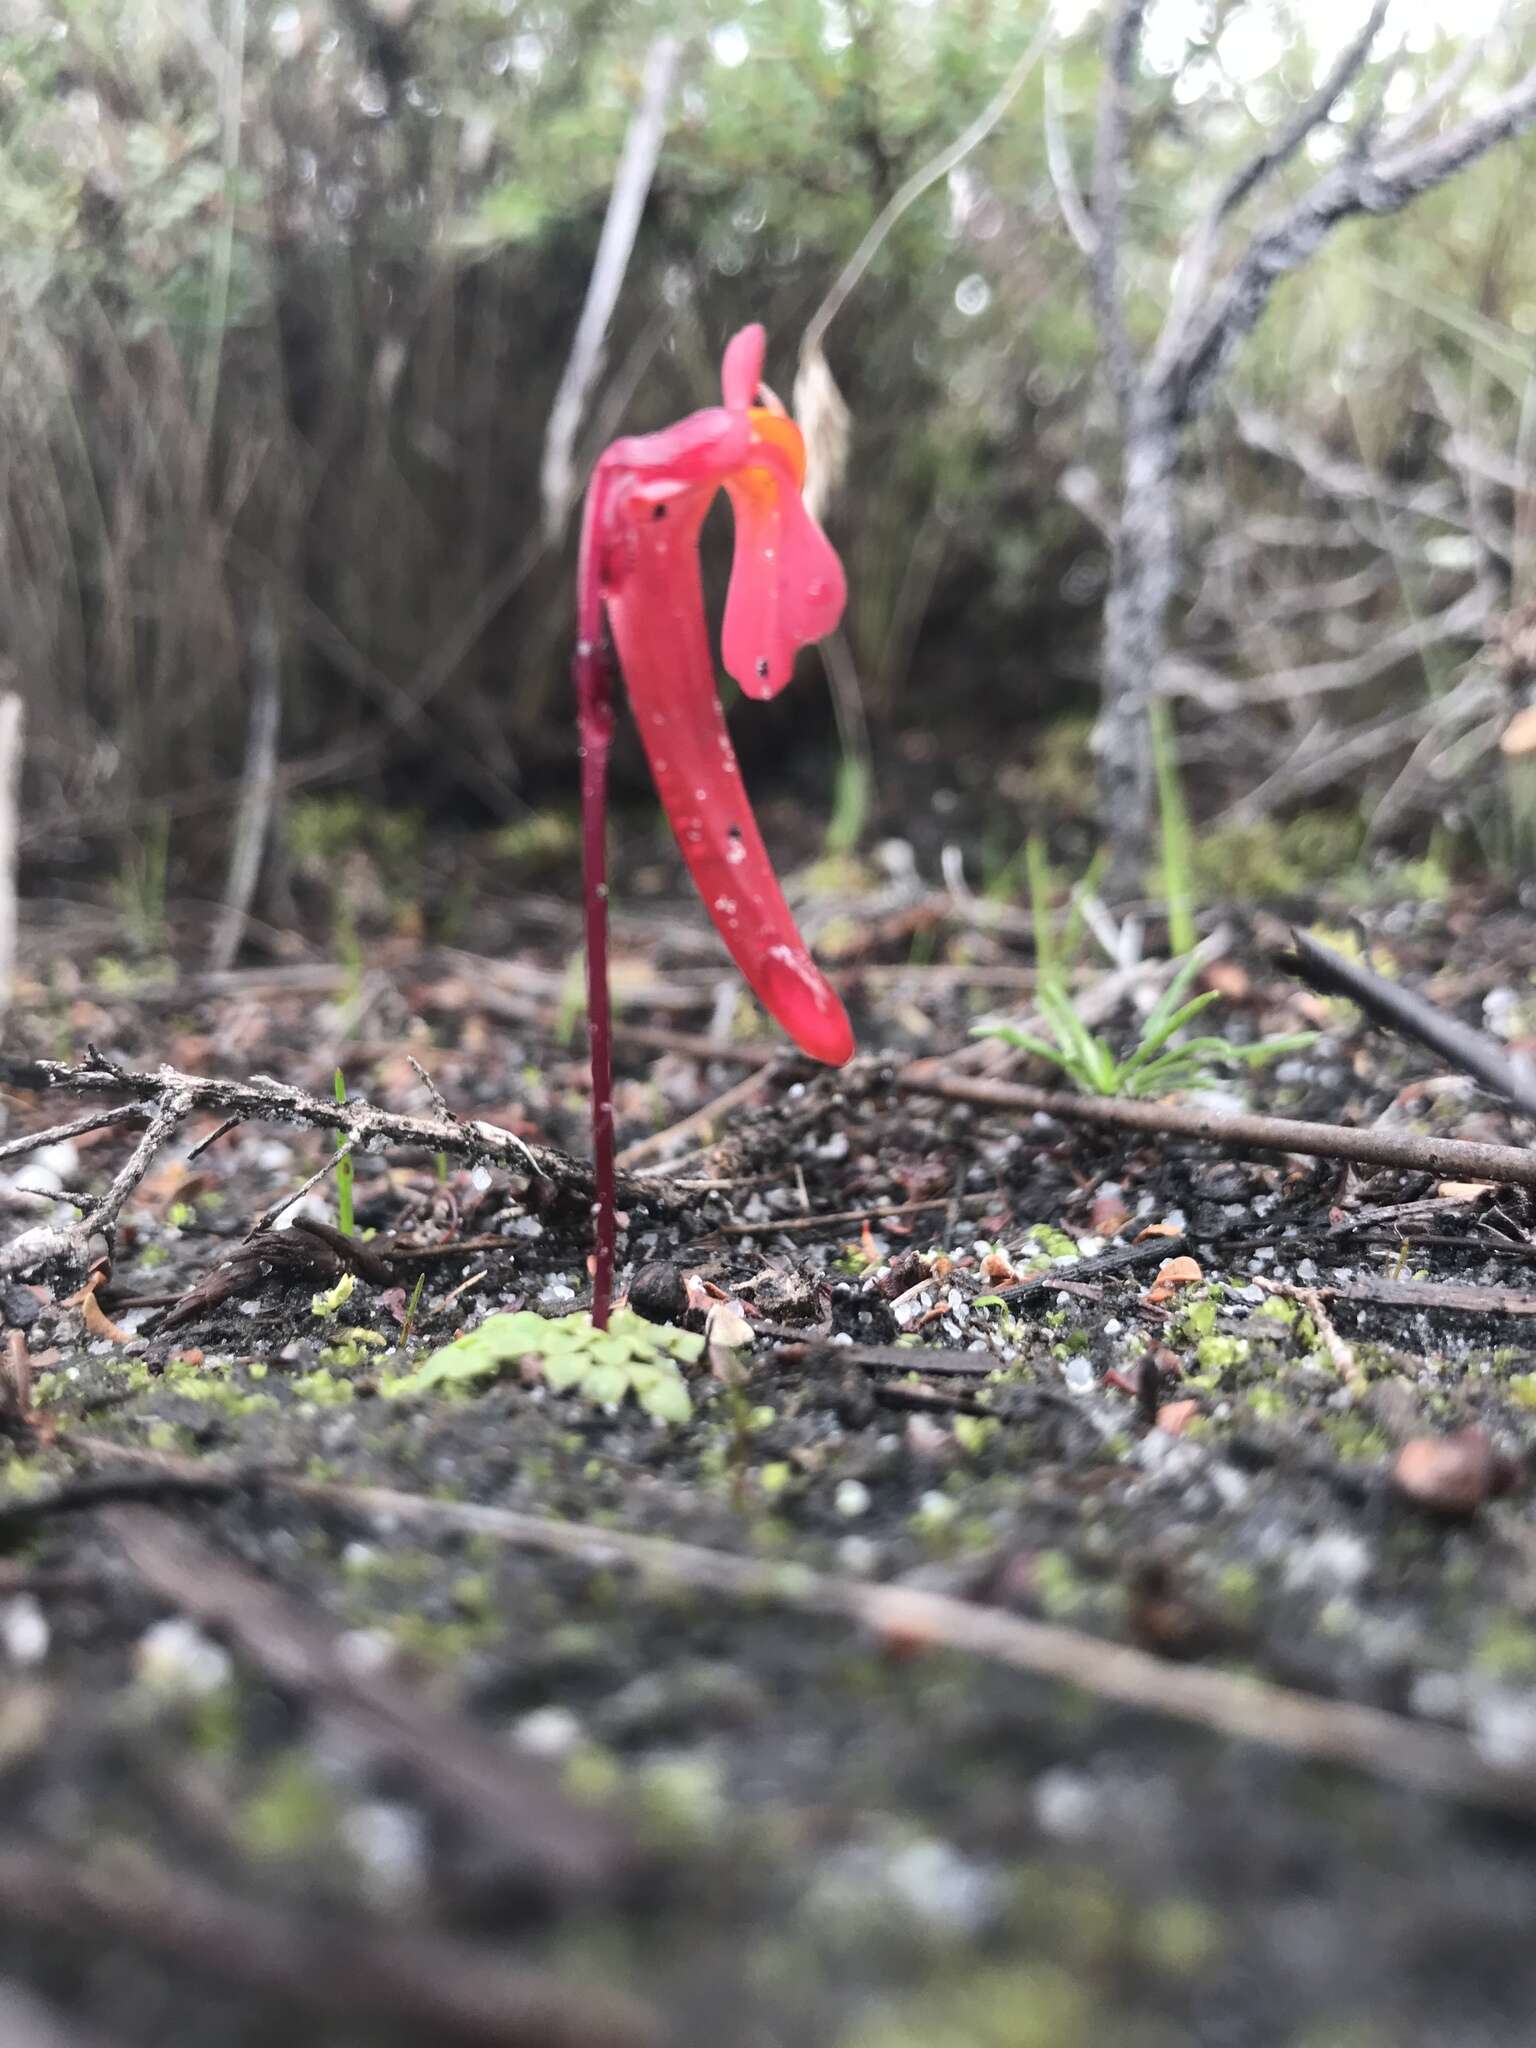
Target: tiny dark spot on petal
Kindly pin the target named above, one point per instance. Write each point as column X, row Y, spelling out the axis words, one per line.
column 762, row 665
column 658, row 511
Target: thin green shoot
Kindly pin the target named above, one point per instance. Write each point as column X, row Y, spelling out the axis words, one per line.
column 572, row 1005
column 850, row 805
column 345, row 1174
column 409, row 1321
column 1173, row 822
column 1038, row 871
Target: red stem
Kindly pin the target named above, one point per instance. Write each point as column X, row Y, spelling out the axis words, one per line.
column 594, row 712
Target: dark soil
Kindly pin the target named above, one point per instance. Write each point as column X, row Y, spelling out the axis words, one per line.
column 804, row 1832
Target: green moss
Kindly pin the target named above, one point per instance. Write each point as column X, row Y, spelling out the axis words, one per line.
column 1021, row 2005
column 323, row 1388
column 1221, row 1354
column 1277, row 1309
column 1059, row 1588
column 1245, row 863
column 1179, row 1936
column 1237, row 1586
column 293, row 1811
column 592, row 1775
column 1354, row 1438
column 1507, row 1648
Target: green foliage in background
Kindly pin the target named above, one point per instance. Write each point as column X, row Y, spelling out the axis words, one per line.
column 287, row 291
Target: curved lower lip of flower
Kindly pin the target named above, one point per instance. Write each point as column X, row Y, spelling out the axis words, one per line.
column 798, row 994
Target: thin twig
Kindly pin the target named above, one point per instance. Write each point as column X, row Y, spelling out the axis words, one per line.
column 736, row 1097
column 273, row 1210
column 1122, row 37
column 1386, row 1745
column 1376, row 184
column 912, row 189
column 1200, row 249
column 1058, row 157
column 631, row 184
column 569, row 1850
column 868, row 1214
column 1341, row 1354
column 1401, row 1010
column 77, row 1127
column 168, row 1097
column 258, row 788
column 438, row 1988
column 1449, row 1158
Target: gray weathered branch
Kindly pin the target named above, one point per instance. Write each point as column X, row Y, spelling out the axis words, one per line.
column 1111, row 171
column 166, row 1099
column 631, row 185
column 1378, row 183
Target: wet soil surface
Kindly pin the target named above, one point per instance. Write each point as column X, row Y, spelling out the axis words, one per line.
column 281, row 1760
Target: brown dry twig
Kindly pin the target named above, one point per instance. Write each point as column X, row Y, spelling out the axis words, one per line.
column 1414, row 1016
column 1385, row 1745
column 567, row 1850
column 1450, row 1158
column 449, row 1990
column 166, row 1099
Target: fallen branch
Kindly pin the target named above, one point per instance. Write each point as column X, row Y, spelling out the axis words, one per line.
column 1452, row 1296
column 568, row 1850
column 166, row 1099
column 433, row 1987
column 25, row 2022
column 1386, row 1745
column 1413, row 1016
column 1448, row 1158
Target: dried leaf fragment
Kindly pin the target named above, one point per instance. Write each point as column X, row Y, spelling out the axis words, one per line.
column 1171, row 1275
column 1174, row 1417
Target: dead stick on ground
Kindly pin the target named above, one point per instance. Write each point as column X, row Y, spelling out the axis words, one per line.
column 733, row 1098
column 167, row 1098
column 320, row 1963
column 872, row 1216
column 1341, row 1354
column 1384, row 1745
column 1455, row 1158
column 1413, row 1016
column 569, row 1850
column 25, row 2022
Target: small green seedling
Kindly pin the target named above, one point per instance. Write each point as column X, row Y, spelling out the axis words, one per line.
column 345, row 1173
column 411, row 1307
column 334, row 1299
column 1154, row 1066
column 630, row 1359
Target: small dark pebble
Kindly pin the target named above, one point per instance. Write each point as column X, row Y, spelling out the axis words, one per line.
column 20, row 1306
column 657, row 1293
